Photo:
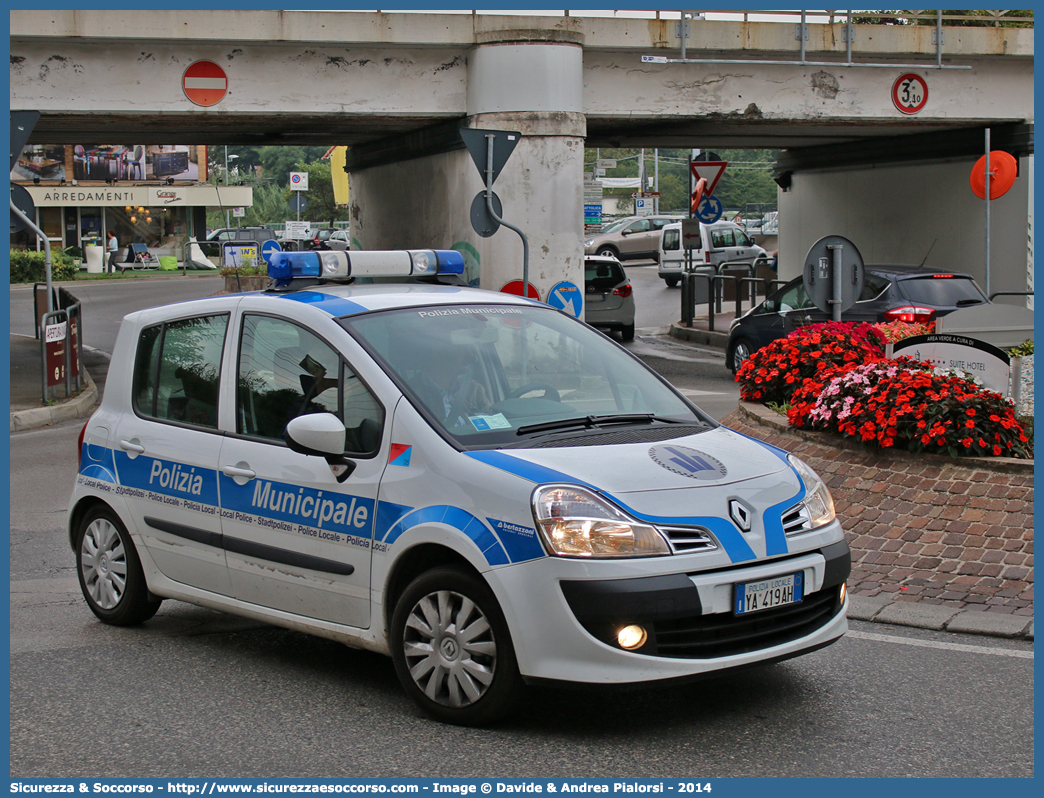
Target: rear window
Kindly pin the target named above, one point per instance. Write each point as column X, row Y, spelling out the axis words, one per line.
column 603, row 275
column 941, row 290
column 671, row 239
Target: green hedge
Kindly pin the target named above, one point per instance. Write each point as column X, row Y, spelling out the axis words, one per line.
column 28, row 266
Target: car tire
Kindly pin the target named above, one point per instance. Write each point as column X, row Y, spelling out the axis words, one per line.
column 608, row 252
column 452, row 650
column 759, row 263
column 627, row 332
column 110, row 573
column 671, row 281
column 741, row 350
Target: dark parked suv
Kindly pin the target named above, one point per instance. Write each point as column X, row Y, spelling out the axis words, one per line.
column 319, row 239
column 258, row 234
column 890, row 293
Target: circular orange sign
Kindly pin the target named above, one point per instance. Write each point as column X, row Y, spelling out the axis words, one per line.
column 1003, row 170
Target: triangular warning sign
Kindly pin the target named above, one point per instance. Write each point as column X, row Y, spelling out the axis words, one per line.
column 478, row 141
column 711, row 171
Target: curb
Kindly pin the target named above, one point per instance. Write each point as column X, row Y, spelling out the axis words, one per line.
column 77, row 407
column 939, row 618
column 696, row 336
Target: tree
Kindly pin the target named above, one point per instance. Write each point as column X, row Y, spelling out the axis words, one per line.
column 748, row 178
column 279, row 162
column 320, row 196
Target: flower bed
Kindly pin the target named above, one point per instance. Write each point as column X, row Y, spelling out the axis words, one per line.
column 775, row 371
column 833, row 377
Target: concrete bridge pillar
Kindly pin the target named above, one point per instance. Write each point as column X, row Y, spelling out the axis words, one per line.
column 526, row 81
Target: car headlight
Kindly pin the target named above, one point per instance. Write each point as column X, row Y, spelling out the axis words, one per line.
column 575, row 522
column 818, row 502
column 588, row 242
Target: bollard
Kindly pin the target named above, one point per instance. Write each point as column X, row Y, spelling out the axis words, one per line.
column 688, row 280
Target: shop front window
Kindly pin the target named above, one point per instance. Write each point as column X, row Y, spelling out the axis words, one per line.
column 162, row 230
column 91, row 227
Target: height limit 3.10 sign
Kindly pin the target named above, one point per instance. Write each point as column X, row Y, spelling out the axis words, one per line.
column 909, row 93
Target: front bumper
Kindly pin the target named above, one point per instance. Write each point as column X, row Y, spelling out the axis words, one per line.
column 566, row 630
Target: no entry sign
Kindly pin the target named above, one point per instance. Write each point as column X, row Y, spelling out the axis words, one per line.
column 205, row 83
column 515, row 287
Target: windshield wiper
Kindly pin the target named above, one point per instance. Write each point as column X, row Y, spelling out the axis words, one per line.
column 587, row 422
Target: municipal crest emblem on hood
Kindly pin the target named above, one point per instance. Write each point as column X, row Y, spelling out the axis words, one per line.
column 688, row 462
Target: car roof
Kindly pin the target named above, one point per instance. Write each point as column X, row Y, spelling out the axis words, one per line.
column 343, row 300
column 347, row 300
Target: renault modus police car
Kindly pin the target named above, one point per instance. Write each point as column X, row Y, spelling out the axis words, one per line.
column 482, row 487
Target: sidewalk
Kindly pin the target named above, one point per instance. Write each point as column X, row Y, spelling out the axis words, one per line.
column 27, row 412
column 27, row 408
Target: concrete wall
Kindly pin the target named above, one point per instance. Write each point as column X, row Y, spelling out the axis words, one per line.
column 614, row 85
column 415, row 195
column 893, row 214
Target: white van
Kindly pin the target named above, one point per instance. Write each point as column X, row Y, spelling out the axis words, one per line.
column 720, row 242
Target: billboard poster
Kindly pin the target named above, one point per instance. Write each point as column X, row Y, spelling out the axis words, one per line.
column 108, row 162
column 40, row 161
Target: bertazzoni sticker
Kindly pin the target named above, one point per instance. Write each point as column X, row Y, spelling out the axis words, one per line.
column 688, row 462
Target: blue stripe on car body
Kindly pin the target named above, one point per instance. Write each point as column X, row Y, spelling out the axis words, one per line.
column 334, row 305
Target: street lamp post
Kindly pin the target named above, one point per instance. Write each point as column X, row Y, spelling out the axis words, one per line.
column 227, row 159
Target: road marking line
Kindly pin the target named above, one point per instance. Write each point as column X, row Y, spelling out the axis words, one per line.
column 695, row 392
column 999, row 652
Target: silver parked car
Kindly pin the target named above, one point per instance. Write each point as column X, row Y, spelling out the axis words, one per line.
column 633, row 238
column 339, row 239
column 608, row 296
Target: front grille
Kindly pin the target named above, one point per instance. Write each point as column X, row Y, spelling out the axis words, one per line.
column 796, row 521
column 725, row 634
column 689, row 538
column 634, row 435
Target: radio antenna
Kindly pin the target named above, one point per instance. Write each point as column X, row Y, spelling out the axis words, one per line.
column 929, row 252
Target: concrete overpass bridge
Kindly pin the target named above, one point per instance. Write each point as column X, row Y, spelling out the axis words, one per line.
column 396, row 88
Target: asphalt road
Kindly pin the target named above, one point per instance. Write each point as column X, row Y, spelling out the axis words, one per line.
column 194, row 693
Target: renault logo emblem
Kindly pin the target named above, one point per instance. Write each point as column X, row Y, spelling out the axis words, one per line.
column 740, row 514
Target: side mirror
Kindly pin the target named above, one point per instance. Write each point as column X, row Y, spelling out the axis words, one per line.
column 321, row 435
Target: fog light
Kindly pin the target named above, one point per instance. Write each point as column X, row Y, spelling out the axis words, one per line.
column 844, row 591
column 632, row 637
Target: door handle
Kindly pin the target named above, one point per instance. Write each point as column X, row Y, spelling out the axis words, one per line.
column 234, row 471
column 131, row 446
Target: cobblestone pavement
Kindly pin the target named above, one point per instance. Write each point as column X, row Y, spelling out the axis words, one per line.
column 924, row 528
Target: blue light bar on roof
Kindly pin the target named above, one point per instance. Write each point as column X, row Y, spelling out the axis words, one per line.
column 285, row 266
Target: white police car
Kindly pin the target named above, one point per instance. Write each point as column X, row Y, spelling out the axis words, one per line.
column 476, row 484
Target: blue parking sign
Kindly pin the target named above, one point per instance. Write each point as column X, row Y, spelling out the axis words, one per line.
column 566, row 296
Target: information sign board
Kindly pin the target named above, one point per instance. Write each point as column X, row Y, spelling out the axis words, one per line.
column 298, row 230
column 990, row 364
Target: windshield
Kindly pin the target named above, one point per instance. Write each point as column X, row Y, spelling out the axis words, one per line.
column 616, row 227
column 487, row 375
